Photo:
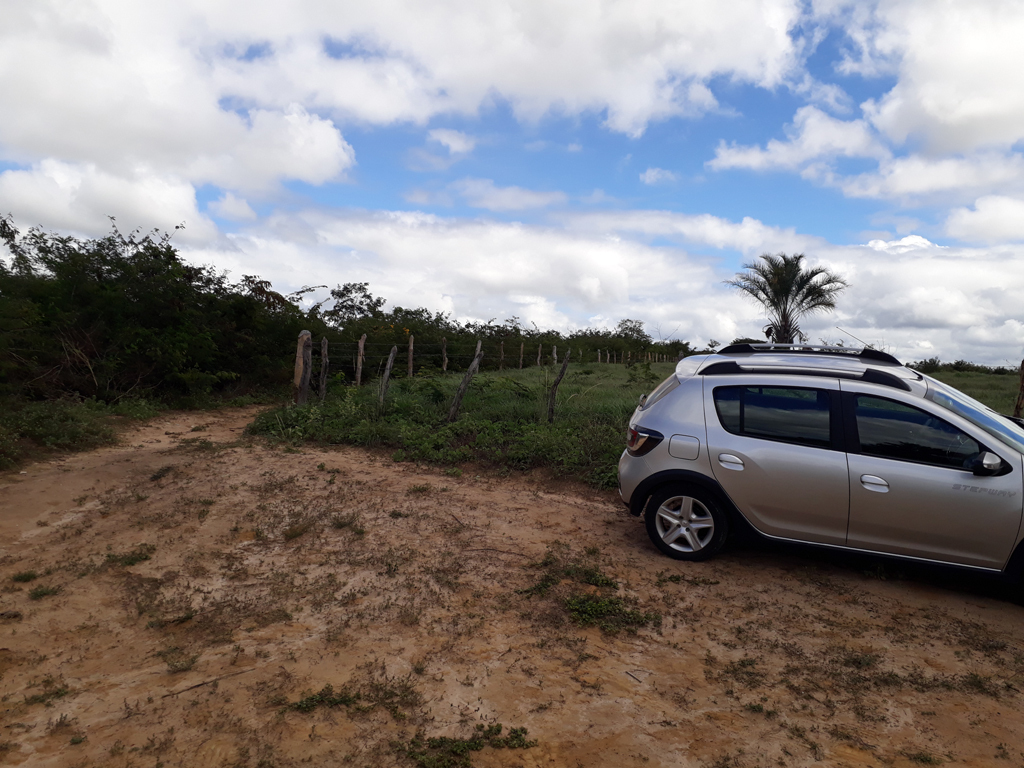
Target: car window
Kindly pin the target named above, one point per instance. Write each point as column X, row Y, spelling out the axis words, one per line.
column 790, row 414
column 893, row 430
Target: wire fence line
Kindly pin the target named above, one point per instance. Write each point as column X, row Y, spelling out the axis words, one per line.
column 363, row 360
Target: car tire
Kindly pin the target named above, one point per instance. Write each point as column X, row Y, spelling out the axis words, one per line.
column 686, row 522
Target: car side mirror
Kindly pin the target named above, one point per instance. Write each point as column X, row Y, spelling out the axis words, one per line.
column 986, row 464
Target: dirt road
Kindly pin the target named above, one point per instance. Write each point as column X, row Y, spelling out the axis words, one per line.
column 195, row 592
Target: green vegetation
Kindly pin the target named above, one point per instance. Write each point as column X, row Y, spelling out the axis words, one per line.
column 96, row 331
column 503, row 422
column 393, row 694
column 38, row 593
column 447, row 752
column 127, row 559
column 25, row 576
column 788, row 291
column 610, row 614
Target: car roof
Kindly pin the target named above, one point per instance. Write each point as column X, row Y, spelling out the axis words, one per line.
column 865, row 364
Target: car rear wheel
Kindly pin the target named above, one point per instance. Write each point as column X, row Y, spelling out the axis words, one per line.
column 686, row 522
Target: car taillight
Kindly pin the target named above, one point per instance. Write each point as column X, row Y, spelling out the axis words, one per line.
column 640, row 441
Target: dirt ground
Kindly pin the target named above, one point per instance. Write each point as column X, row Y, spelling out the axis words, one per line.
column 195, row 592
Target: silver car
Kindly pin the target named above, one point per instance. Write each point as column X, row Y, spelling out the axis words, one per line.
column 830, row 446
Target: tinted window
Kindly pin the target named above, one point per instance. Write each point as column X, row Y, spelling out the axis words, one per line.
column 790, row 414
column 896, row 431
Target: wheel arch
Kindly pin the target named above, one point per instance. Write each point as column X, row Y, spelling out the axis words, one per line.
column 647, row 488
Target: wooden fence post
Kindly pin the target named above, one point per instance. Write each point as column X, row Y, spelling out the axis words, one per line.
column 303, row 363
column 453, row 414
column 501, row 356
column 387, row 374
column 539, row 348
column 360, row 356
column 324, row 364
column 554, row 354
column 1020, row 396
column 554, row 387
column 522, row 347
column 410, row 355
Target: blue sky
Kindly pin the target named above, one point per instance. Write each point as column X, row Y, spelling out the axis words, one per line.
column 568, row 163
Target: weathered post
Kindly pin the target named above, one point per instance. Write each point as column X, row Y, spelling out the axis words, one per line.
column 501, row 356
column 540, row 347
column 360, row 356
column 1020, row 396
column 324, row 364
column 444, row 355
column 453, row 414
column 303, row 363
column 522, row 348
column 410, row 355
column 554, row 354
column 387, row 374
column 554, row 387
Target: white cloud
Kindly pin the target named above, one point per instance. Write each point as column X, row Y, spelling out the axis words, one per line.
column 749, row 236
column 232, row 208
column 482, row 193
column 657, row 176
column 457, row 142
column 80, row 197
column 955, row 64
column 994, row 219
column 916, row 178
column 904, row 245
column 814, row 135
column 293, row 144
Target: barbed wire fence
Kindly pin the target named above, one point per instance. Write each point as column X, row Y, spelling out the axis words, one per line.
column 363, row 360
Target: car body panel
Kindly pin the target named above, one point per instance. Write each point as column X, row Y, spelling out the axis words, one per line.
column 782, row 489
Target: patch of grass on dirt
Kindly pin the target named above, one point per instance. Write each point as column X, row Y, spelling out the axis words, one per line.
column 350, row 521
column 557, row 565
column 922, row 758
column 38, row 593
column 611, row 614
column 127, row 559
column 161, row 473
column 325, row 697
column 393, row 694
column 25, row 576
column 677, row 578
column 51, row 691
column 177, row 659
column 448, row 752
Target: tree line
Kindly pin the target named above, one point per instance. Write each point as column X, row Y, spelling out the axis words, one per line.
column 125, row 316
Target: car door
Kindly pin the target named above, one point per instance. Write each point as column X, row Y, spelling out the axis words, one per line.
column 911, row 492
column 775, row 450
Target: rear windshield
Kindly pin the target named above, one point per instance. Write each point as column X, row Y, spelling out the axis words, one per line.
column 661, row 390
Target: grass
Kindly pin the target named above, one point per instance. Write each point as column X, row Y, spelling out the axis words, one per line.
column 127, row 559
column 503, row 423
column 449, row 752
column 610, row 614
column 25, row 576
column 34, row 429
column 38, row 593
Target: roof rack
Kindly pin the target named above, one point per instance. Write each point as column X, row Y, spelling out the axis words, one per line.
column 865, row 353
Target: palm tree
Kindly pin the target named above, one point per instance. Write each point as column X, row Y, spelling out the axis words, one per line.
column 787, row 292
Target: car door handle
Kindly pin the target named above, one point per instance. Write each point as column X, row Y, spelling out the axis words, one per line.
column 729, row 461
column 874, row 483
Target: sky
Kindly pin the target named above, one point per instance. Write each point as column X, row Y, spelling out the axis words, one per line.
column 568, row 162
